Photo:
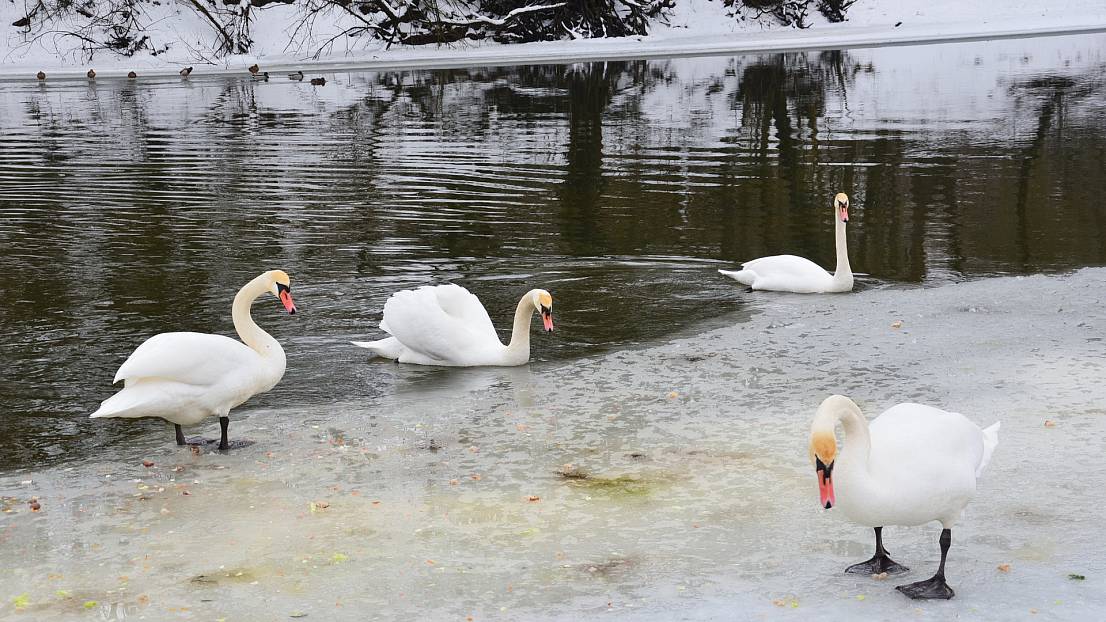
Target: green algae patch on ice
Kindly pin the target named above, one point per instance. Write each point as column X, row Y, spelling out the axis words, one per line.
column 622, row 486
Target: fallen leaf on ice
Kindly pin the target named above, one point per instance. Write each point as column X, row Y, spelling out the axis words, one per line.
column 89, row 604
column 21, row 601
column 881, row 576
column 1049, row 423
column 896, row 324
column 338, row 558
column 147, row 463
column 1004, row 567
column 1076, row 577
column 860, row 597
column 673, row 395
column 779, row 602
column 533, row 498
column 453, row 482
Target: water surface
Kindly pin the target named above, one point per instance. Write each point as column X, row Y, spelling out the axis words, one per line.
column 133, row 207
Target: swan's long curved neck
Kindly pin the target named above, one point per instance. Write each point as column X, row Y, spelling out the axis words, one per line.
column 520, row 332
column 858, row 442
column 843, row 272
column 248, row 331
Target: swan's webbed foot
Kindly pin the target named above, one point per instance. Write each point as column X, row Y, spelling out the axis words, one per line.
column 933, row 588
column 877, row 565
column 235, row 444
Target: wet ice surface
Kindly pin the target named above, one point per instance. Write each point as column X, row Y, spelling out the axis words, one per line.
column 697, row 500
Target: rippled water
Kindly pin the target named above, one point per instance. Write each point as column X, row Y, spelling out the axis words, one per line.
column 130, row 208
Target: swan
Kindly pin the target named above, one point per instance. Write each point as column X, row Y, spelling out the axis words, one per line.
column 446, row 325
column 186, row 377
column 914, row 464
column 788, row 273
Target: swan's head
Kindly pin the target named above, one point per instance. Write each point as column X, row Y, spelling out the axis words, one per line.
column 841, row 206
column 281, row 287
column 543, row 303
column 823, row 448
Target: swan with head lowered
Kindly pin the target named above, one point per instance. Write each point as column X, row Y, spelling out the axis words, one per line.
column 914, row 464
column 788, row 273
column 446, row 325
column 187, row 377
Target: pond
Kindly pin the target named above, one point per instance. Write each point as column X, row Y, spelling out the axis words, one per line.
column 130, row 208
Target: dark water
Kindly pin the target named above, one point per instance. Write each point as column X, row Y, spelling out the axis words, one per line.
column 128, row 209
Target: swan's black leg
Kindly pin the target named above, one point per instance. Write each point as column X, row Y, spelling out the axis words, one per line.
column 934, row 587
column 879, row 563
column 223, row 423
column 180, row 434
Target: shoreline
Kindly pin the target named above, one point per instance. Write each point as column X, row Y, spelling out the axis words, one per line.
column 825, row 37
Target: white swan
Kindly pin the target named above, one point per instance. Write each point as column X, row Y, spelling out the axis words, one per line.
column 446, row 325
column 914, row 464
column 186, row 377
column 788, row 273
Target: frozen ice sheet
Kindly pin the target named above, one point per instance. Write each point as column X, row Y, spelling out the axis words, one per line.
column 689, row 494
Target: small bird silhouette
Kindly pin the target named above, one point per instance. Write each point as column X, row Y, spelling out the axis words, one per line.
column 296, row 76
column 41, row 75
column 318, row 81
column 91, row 74
column 254, row 69
column 184, row 72
column 132, row 75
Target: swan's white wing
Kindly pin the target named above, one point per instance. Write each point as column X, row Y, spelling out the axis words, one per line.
column 463, row 305
column 786, row 266
column 190, row 358
column 418, row 320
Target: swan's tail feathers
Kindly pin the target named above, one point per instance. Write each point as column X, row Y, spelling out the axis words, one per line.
column 133, row 401
column 741, row 276
column 389, row 348
column 990, row 441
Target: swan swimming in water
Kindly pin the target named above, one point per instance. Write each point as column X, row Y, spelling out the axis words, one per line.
column 446, row 325
column 914, row 464
column 788, row 273
column 187, row 377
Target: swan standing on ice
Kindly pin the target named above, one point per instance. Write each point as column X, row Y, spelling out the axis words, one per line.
column 788, row 273
column 446, row 325
column 186, row 377
column 913, row 465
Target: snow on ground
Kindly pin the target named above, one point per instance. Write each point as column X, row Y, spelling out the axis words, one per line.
column 698, row 27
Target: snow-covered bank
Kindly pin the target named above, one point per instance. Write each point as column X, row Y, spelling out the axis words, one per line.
column 698, row 27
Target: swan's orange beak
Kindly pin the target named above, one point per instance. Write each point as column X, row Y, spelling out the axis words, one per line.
column 547, row 318
column 825, row 484
column 285, row 295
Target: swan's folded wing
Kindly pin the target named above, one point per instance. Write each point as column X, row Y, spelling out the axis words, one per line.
column 786, row 266
column 417, row 319
column 463, row 305
column 189, row 358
